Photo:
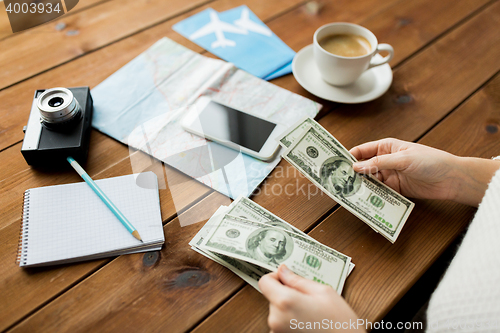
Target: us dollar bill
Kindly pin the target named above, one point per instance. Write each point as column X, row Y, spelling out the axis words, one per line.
column 247, row 209
column 236, row 266
column 205, row 230
column 268, row 246
column 248, row 272
column 250, row 210
column 317, row 155
column 295, row 132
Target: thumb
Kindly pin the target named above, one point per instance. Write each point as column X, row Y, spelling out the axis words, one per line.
column 292, row 280
column 381, row 162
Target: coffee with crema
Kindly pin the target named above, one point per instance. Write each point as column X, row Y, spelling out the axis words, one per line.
column 346, row 45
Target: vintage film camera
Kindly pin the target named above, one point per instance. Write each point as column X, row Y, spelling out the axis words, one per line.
column 59, row 126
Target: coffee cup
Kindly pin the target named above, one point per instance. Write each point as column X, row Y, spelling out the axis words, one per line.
column 344, row 68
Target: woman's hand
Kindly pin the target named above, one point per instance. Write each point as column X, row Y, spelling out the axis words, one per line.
column 295, row 301
column 411, row 169
column 419, row 171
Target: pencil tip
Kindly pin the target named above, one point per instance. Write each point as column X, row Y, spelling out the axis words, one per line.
column 135, row 233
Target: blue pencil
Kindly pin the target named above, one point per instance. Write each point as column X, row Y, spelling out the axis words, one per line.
column 104, row 198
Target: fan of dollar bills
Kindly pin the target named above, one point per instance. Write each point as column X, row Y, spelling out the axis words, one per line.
column 251, row 242
column 315, row 153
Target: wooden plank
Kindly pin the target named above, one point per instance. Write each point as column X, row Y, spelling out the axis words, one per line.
column 305, row 212
column 23, row 290
column 279, row 199
column 91, row 69
column 91, row 29
column 407, row 26
column 87, row 70
column 471, row 130
column 17, row 176
column 384, row 272
column 474, row 128
column 426, row 88
column 105, row 154
column 177, row 291
column 6, row 30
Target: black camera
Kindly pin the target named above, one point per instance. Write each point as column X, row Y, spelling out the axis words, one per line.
column 59, row 126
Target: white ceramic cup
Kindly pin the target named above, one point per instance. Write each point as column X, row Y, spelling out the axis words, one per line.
column 341, row 71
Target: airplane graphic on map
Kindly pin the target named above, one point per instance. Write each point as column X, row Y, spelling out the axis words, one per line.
column 241, row 26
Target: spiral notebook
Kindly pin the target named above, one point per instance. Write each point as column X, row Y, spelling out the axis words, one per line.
column 69, row 223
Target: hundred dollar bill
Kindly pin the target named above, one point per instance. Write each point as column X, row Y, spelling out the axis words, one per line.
column 205, row 230
column 329, row 167
column 236, row 266
column 269, row 246
column 247, row 209
column 296, row 131
column 244, row 208
column 248, row 272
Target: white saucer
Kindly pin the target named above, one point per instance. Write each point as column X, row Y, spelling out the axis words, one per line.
column 372, row 84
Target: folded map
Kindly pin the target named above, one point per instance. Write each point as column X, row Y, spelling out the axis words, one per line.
column 141, row 105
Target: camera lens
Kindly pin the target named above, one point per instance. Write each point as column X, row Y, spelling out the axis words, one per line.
column 58, row 108
column 55, row 102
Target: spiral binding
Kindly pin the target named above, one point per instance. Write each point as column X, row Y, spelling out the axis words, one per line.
column 22, row 249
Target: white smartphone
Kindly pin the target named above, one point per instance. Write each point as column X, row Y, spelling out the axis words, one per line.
column 233, row 128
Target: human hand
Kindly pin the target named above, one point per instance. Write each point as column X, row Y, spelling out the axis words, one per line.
column 411, row 169
column 295, row 301
column 419, row 171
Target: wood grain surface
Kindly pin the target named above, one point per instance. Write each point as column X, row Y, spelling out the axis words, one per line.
column 384, row 272
column 85, row 31
column 107, row 158
column 392, row 268
column 33, row 287
column 92, row 68
column 444, row 94
column 6, row 30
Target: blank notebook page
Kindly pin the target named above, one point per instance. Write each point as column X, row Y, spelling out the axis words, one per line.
column 71, row 221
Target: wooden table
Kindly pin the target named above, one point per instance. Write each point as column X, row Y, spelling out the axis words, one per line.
column 445, row 93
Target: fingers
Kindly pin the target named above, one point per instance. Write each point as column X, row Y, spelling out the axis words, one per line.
column 373, row 148
column 272, row 288
column 290, row 279
column 396, row 161
column 278, row 319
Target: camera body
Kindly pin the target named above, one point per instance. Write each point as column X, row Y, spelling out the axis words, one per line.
column 59, row 126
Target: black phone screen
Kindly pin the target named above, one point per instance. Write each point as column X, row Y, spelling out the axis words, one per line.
column 227, row 124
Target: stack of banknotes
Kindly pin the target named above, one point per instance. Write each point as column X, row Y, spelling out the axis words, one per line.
column 315, row 153
column 251, row 242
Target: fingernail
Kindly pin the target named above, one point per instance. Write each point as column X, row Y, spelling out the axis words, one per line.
column 285, row 270
column 359, row 165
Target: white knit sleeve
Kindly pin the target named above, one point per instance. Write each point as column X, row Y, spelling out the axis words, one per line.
column 468, row 297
